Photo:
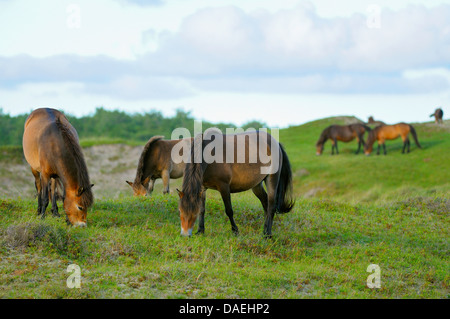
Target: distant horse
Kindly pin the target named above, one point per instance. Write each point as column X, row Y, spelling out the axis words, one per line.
column 51, row 147
column 235, row 176
column 373, row 122
column 346, row 133
column 391, row 132
column 438, row 115
column 156, row 162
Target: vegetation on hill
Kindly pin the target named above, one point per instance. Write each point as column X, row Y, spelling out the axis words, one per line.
column 106, row 126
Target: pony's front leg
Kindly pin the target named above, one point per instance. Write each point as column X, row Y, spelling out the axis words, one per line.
column 166, row 181
column 150, row 186
column 226, row 197
column 379, row 149
column 201, row 220
column 384, row 148
column 359, row 147
column 333, row 146
column 54, row 198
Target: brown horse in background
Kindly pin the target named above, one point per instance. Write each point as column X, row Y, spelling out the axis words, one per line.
column 234, row 176
column 51, row 147
column 391, row 132
column 343, row 133
column 438, row 116
column 156, row 162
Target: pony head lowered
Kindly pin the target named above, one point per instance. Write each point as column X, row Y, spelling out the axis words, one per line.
column 141, row 183
column 191, row 197
column 78, row 196
column 321, row 142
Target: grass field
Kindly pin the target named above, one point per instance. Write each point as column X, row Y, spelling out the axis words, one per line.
column 351, row 212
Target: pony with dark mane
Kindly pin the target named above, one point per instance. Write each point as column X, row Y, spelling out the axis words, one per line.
column 438, row 116
column 51, row 147
column 156, row 162
column 383, row 133
column 343, row 133
column 236, row 169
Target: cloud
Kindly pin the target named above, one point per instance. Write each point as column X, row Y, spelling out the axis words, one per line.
column 289, row 51
column 143, row 3
column 299, row 41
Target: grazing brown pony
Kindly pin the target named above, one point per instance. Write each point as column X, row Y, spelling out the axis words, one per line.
column 391, row 132
column 438, row 116
column 343, row 133
column 234, row 176
column 51, row 147
column 156, row 162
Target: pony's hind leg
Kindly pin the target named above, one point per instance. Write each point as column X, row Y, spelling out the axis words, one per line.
column 384, row 149
column 260, row 192
column 272, row 185
column 37, row 184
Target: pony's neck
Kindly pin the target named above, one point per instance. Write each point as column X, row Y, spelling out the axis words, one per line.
column 323, row 138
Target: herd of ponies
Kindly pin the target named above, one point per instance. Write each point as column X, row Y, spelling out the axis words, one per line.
column 52, row 149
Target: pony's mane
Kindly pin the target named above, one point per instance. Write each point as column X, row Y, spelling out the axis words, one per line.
column 80, row 169
column 143, row 159
column 193, row 182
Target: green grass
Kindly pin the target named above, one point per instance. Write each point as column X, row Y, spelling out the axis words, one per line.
column 391, row 211
column 132, row 249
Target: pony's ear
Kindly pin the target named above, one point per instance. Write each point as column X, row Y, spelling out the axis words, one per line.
column 130, row 183
column 180, row 193
column 201, row 194
column 146, row 181
column 80, row 191
column 92, row 185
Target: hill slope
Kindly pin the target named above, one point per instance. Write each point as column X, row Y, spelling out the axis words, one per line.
column 346, row 177
column 350, row 177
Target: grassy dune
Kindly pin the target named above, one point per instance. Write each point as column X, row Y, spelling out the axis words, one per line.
column 348, row 216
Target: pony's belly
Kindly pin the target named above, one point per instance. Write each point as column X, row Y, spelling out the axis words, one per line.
column 346, row 139
column 243, row 180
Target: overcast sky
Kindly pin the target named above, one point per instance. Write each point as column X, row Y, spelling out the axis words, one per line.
column 283, row 62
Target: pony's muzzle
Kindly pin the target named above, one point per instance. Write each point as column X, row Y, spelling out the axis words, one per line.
column 80, row 224
column 186, row 233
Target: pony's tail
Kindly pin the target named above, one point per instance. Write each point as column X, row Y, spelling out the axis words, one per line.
column 284, row 201
column 414, row 134
column 432, row 115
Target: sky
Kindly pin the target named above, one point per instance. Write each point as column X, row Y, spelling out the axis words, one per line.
column 282, row 62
